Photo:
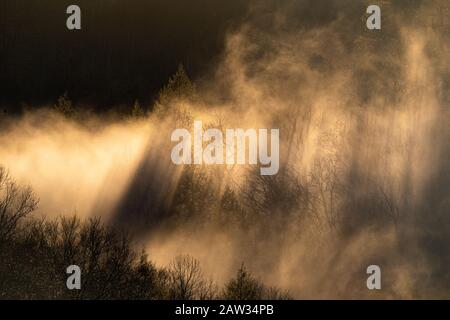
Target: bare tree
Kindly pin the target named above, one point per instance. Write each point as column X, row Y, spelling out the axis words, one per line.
column 15, row 204
column 186, row 280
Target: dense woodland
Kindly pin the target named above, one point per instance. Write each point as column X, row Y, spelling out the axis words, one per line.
column 365, row 151
column 35, row 253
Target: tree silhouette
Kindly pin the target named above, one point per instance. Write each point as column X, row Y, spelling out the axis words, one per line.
column 15, row 204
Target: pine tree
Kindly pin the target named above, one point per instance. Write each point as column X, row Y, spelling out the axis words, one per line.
column 65, row 106
column 137, row 111
column 243, row 287
column 178, row 89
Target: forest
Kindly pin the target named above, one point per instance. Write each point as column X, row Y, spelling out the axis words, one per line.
column 35, row 253
column 86, row 176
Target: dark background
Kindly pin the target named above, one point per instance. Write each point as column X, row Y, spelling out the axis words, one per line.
column 126, row 49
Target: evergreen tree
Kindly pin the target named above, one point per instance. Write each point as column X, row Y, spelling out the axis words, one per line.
column 65, row 106
column 137, row 111
column 178, row 89
column 243, row 287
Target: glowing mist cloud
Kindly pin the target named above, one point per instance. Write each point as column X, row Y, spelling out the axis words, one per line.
column 213, row 152
column 363, row 170
column 72, row 168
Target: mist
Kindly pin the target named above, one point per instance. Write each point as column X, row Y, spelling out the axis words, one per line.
column 364, row 155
